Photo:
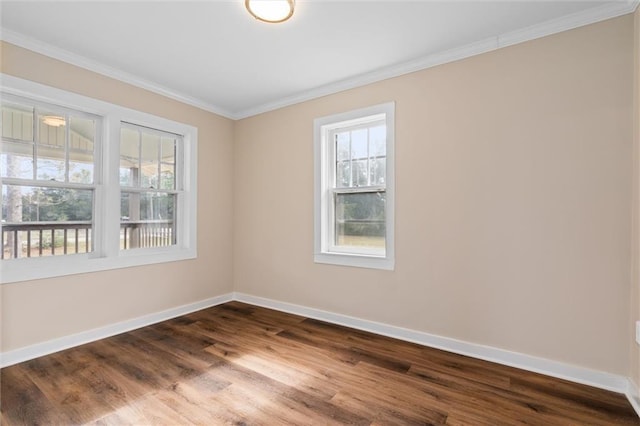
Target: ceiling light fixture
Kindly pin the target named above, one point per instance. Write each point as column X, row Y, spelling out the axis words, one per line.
column 53, row 120
column 271, row 11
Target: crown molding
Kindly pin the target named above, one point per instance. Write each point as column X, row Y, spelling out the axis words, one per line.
column 386, row 73
column 553, row 26
column 46, row 49
column 533, row 32
column 569, row 22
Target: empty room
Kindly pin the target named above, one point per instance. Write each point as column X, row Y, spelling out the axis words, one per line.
column 315, row 212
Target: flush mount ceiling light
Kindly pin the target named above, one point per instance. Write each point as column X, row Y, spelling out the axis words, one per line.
column 272, row 11
column 53, row 120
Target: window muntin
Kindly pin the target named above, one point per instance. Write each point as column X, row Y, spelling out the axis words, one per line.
column 47, row 165
column 149, row 190
column 354, row 188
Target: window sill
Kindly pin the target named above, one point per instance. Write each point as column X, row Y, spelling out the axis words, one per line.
column 355, row 260
column 27, row 269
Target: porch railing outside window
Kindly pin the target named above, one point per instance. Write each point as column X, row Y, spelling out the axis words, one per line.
column 37, row 239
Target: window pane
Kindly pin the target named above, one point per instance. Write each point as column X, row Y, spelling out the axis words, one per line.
column 147, row 220
column 168, row 163
column 378, row 141
column 50, row 150
column 359, row 144
column 52, row 129
column 129, row 157
column 81, row 150
column 378, row 171
column 360, row 219
column 342, row 146
column 17, row 123
column 149, row 160
column 343, row 174
column 146, row 206
column 359, row 170
column 44, row 221
column 17, row 160
column 51, row 163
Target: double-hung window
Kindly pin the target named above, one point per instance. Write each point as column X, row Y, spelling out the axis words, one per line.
column 148, row 187
column 90, row 186
column 48, row 166
column 354, row 197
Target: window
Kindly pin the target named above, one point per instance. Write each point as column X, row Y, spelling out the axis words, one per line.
column 47, row 165
column 354, row 183
column 90, row 186
column 148, row 187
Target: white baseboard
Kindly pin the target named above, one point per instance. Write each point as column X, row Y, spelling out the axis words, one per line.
column 56, row 345
column 633, row 394
column 599, row 379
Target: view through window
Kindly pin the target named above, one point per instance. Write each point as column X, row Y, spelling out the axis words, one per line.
column 47, row 165
column 148, row 185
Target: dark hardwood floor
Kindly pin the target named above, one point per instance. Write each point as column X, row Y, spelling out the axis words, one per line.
column 245, row 365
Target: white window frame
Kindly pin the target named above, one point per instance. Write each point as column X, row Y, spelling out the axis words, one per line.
column 107, row 254
column 324, row 180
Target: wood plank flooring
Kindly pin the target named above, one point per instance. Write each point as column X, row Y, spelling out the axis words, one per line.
column 244, row 365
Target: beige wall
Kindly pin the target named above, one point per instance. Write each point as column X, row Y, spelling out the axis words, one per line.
column 635, row 283
column 514, row 176
column 37, row 311
column 513, row 201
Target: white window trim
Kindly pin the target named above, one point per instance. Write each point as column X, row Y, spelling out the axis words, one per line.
column 107, row 254
column 323, row 154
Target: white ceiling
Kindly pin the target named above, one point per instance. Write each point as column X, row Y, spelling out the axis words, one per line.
column 214, row 55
